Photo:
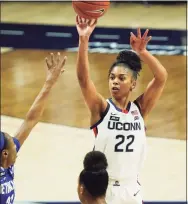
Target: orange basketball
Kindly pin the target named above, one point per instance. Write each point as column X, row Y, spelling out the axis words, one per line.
column 90, row 9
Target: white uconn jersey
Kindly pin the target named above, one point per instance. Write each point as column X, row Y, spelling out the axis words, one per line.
column 121, row 137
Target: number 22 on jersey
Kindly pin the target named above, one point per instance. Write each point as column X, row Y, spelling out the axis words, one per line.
column 122, row 145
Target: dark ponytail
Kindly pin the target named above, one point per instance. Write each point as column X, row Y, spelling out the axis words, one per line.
column 94, row 175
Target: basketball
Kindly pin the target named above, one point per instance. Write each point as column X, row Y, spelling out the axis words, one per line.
column 90, row 9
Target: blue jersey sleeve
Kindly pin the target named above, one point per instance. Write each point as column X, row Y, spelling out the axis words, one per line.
column 17, row 143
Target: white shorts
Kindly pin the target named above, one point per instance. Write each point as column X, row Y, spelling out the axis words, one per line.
column 118, row 193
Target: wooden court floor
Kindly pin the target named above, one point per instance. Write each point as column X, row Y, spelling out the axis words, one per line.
column 23, row 74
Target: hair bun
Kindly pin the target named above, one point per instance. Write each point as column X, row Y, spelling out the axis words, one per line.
column 94, row 175
column 95, row 161
column 130, row 58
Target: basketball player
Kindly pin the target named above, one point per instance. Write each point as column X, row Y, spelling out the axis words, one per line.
column 9, row 146
column 118, row 123
column 93, row 179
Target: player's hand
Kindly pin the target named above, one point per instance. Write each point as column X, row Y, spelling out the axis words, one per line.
column 55, row 67
column 84, row 26
column 139, row 43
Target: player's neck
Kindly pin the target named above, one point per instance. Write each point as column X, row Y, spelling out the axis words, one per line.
column 121, row 103
column 96, row 201
column 4, row 164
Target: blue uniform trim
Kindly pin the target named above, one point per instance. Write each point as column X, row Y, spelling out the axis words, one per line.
column 17, row 143
column 119, row 109
column 102, row 117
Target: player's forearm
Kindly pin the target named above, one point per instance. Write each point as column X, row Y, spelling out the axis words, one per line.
column 83, row 61
column 156, row 67
column 37, row 107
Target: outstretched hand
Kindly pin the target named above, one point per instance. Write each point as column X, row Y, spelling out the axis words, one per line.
column 55, row 67
column 84, row 26
column 139, row 43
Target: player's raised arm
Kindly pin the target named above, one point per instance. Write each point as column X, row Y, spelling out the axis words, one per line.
column 55, row 66
column 154, row 89
column 95, row 102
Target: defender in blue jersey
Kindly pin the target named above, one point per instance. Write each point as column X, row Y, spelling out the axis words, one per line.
column 9, row 146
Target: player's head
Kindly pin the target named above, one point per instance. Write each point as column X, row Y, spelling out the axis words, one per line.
column 93, row 179
column 123, row 73
column 7, row 150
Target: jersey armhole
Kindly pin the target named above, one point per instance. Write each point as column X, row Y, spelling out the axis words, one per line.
column 102, row 117
column 138, row 106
